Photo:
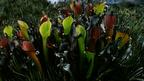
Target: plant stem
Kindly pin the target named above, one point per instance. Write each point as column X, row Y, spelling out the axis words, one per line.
column 45, row 49
column 90, row 56
column 36, row 60
column 0, row 79
column 25, row 33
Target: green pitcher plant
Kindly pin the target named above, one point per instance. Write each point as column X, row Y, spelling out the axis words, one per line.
column 67, row 24
column 45, row 31
column 81, row 32
column 24, row 29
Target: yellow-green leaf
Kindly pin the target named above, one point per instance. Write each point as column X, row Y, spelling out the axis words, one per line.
column 24, row 28
column 59, row 21
column 80, row 30
column 22, row 25
column 90, row 57
column 45, row 29
column 9, row 31
column 67, row 23
column 124, row 39
column 99, row 8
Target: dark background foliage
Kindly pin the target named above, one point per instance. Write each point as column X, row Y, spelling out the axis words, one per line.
column 27, row 10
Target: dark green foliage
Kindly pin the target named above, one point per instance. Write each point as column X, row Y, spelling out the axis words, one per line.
column 27, row 10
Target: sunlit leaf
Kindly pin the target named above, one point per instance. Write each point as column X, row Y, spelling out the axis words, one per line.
column 9, row 31
column 124, row 38
column 45, row 29
column 81, row 33
column 80, row 30
column 99, row 8
column 67, row 24
column 24, row 28
column 22, row 25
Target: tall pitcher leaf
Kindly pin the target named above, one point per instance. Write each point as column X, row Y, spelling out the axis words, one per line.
column 67, row 23
column 109, row 21
column 29, row 49
column 45, row 31
column 24, row 28
column 81, row 32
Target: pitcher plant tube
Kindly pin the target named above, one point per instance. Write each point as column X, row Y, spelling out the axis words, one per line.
column 45, row 31
column 23, row 29
column 29, row 49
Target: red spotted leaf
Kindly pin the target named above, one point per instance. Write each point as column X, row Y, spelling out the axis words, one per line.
column 3, row 42
column 27, row 46
column 109, row 21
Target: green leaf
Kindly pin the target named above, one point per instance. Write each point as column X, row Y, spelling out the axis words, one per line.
column 90, row 57
column 99, row 8
column 9, row 31
column 45, row 29
column 24, row 28
column 22, row 25
column 67, row 23
column 124, row 38
column 80, row 30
